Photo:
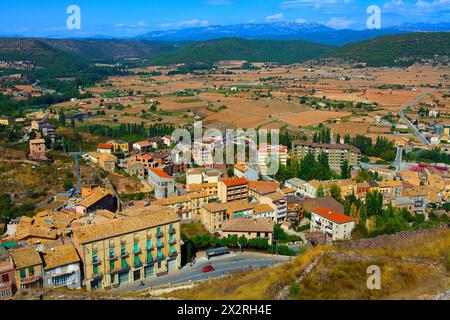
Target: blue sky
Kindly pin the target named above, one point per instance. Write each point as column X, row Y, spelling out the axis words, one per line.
column 133, row 17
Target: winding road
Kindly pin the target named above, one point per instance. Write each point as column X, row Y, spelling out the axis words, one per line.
column 409, row 123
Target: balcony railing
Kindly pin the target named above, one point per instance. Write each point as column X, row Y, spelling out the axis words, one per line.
column 138, row 251
column 96, row 262
column 150, row 260
column 112, row 257
column 137, row 264
column 160, row 245
column 149, row 248
column 124, row 254
column 97, row 275
column 159, row 234
column 173, row 241
column 172, row 231
column 4, row 285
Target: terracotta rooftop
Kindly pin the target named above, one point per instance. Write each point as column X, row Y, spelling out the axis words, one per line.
column 60, row 256
column 261, row 208
column 104, row 146
column 160, row 173
column 138, row 219
column 93, row 198
column 232, row 182
column 323, row 202
column 215, row 206
column 26, row 257
column 248, row 225
column 263, row 187
column 334, row 216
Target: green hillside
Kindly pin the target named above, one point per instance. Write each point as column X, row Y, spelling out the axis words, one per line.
column 111, row 50
column 285, row 52
column 396, row 50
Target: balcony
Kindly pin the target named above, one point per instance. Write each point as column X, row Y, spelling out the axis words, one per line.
column 173, row 254
column 97, row 275
column 150, row 248
column 150, row 261
column 5, row 285
column 137, row 264
column 172, row 231
column 159, row 234
column 137, row 251
column 159, row 258
column 124, row 254
column 96, row 262
column 160, row 245
column 112, row 257
column 173, row 241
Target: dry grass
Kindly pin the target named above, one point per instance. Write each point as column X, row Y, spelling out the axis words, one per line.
column 263, row 284
column 434, row 246
column 346, row 279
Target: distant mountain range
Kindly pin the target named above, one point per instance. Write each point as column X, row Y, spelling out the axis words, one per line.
column 313, row 32
column 62, row 56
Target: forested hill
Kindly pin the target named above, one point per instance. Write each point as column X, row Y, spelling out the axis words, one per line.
column 208, row 52
column 396, row 50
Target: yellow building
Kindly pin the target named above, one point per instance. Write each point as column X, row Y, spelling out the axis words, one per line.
column 214, row 215
column 120, row 146
column 143, row 245
column 28, row 264
column 186, row 206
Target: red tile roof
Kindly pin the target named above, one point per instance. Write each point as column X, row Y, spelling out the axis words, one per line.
column 231, row 182
column 104, row 146
column 161, row 173
column 334, row 216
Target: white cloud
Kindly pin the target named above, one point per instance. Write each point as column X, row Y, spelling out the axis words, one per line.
column 433, row 4
column 339, row 23
column 275, row 17
column 316, row 4
column 185, row 24
column 300, row 20
column 393, row 4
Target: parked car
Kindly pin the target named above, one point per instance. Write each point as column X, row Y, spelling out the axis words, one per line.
column 208, row 268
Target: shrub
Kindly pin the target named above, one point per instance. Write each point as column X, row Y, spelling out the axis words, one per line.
column 294, row 290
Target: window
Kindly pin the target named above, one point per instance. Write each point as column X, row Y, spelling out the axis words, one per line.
column 149, row 244
column 22, row 274
column 111, row 253
column 136, row 247
column 124, row 264
column 112, row 265
column 95, row 270
column 123, row 250
column 5, row 278
column 31, row 271
column 94, row 258
column 137, row 261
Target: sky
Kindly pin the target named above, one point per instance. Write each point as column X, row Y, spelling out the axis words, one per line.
column 134, row 17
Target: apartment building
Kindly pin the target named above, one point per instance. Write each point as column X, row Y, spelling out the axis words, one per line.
column 61, row 267
column 99, row 199
column 267, row 152
column 187, row 206
column 335, row 225
column 278, row 203
column 258, row 189
column 202, row 175
column 161, row 182
column 142, row 245
column 28, row 265
column 213, row 216
column 301, row 187
column 105, row 148
column 337, row 153
column 232, row 189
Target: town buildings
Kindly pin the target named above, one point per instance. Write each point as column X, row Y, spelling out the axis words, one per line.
column 28, row 267
column 337, row 153
column 144, row 244
column 249, row 228
column 7, row 276
column 335, row 225
column 232, row 189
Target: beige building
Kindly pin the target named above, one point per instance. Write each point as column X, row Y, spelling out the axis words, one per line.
column 28, row 264
column 145, row 244
column 337, row 153
column 213, row 216
column 249, row 228
column 232, row 189
column 37, row 150
column 335, row 225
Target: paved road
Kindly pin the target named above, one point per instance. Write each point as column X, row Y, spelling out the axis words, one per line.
column 222, row 265
column 410, row 125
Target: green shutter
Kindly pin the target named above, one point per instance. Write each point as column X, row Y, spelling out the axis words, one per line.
column 95, row 270
column 124, row 264
column 22, row 274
